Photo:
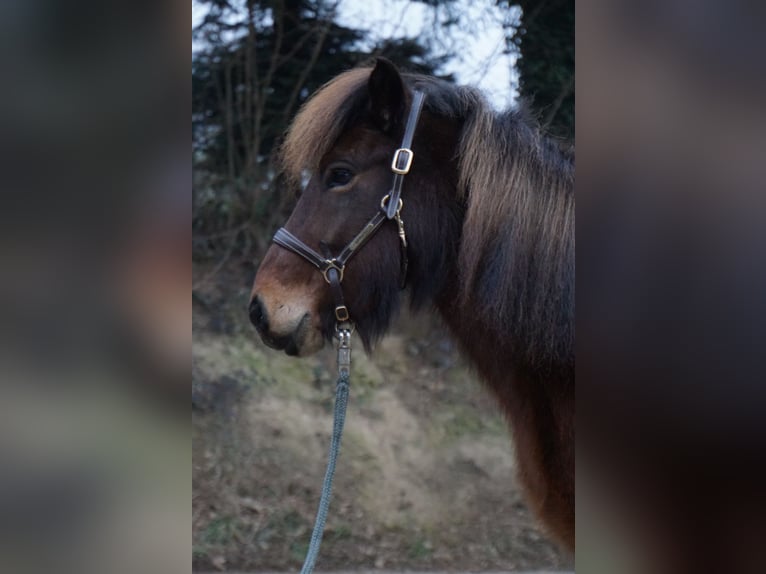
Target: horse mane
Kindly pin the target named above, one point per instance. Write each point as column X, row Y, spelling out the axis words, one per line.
column 517, row 249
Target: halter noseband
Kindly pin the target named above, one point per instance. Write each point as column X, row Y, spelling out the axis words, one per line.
column 390, row 208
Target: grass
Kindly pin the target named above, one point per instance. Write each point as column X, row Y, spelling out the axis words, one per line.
column 298, row 550
column 274, row 451
column 341, row 531
column 420, row 549
column 219, row 531
column 460, row 422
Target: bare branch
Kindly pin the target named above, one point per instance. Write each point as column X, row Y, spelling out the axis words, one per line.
column 322, row 36
column 566, row 90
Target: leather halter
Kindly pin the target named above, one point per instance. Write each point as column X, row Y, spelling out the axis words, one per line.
column 390, row 208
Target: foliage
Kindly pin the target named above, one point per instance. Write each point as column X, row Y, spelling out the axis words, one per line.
column 544, row 38
column 258, row 62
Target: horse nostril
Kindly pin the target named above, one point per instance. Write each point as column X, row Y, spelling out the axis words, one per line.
column 258, row 315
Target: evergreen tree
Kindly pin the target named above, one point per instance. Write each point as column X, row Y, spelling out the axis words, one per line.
column 257, row 61
column 544, row 39
column 260, row 61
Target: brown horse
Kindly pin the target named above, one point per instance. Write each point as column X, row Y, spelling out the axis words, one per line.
column 488, row 206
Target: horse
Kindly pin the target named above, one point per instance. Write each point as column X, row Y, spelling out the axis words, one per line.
column 485, row 227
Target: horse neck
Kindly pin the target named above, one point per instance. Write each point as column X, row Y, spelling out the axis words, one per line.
column 508, row 282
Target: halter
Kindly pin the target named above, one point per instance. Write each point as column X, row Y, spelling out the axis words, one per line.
column 390, row 208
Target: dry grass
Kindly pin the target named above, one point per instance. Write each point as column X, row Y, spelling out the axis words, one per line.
column 426, row 475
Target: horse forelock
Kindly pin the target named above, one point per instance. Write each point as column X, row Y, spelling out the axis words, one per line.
column 320, row 122
column 328, row 112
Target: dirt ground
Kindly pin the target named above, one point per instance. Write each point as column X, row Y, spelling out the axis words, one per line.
column 425, row 479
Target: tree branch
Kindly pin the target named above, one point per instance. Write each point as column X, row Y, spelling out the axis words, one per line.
column 566, row 90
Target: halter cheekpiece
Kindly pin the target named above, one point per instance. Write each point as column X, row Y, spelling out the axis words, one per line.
column 390, row 208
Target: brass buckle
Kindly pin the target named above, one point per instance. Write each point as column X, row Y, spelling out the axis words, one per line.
column 408, row 161
column 333, row 264
column 341, row 313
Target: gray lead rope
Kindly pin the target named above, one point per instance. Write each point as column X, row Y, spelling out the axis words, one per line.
column 339, row 419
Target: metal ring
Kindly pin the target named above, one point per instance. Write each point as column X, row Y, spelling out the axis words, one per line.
column 333, row 264
column 386, row 199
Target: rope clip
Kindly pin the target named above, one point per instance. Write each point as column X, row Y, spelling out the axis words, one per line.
column 344, row 349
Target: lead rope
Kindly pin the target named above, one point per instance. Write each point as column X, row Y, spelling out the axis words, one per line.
column 339, row 419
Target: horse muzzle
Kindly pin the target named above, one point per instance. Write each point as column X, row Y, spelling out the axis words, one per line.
column 295, row 337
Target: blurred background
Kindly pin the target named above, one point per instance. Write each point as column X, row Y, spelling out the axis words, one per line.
column 671, row 276
column 426, row 478
column 95, row 319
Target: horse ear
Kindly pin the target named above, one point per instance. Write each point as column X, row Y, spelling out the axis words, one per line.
column 386, row 89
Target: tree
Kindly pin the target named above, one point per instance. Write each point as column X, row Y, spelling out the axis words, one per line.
column 259, row 60
column 544, row 39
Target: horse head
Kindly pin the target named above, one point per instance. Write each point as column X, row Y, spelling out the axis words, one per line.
column 345, row 138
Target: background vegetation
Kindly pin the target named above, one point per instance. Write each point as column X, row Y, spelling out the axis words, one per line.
column 256, row 62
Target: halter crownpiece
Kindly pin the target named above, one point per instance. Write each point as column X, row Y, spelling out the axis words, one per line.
column 390, row 208
column 403, row 156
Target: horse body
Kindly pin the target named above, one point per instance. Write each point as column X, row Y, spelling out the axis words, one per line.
column 489, row 216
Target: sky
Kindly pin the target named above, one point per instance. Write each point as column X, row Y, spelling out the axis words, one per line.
column 478, row 40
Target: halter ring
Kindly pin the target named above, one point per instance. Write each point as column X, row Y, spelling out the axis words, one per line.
column 386, row 199
column 333, row 264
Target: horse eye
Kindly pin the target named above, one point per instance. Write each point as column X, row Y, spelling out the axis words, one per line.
column 339, row 177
